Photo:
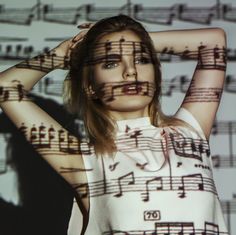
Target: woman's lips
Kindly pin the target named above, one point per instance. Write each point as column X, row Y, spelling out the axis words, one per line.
column 132, row 89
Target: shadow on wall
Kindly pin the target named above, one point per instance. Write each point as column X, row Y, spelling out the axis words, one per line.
column 45, row 198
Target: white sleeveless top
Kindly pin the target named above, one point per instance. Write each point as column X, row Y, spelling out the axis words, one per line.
column 139, row 192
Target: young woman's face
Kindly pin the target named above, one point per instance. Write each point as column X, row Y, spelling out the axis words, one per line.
column 124, row 74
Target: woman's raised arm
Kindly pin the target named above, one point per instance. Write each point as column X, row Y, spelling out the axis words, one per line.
column 208, row 47
column 50, row 139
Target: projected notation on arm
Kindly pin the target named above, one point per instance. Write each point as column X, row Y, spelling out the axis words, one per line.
column 178, row 84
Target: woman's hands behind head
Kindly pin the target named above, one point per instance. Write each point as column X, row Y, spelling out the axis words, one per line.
column 64, row 49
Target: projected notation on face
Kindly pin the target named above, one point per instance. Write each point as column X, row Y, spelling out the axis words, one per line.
column 109, row 91
column 112, row 51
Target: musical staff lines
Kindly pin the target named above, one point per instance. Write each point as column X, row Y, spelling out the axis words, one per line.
column 14, row 49
column 8, row 93
column 19, row 52
column 45, row 62
column 146, row 185
column 50, row 140
column 173, row 228
column 229, row 208
column 90, row 12
column 22, row 16
column 177, row 84
column 181, row 83
column 223, row 161
column 12, row 39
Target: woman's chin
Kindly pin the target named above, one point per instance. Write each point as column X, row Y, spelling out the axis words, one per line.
column 129, row 103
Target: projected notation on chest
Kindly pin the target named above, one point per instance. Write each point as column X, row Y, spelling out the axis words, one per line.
column 145, row 185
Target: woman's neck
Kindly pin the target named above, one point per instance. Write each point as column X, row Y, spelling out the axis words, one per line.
column 129, row 114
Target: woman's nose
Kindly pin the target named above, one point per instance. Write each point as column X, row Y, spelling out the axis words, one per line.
column 130, row 72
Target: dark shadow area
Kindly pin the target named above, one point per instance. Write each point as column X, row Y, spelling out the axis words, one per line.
column 45, row 198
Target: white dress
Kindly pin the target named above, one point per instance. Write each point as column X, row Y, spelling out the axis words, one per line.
column 138, row 192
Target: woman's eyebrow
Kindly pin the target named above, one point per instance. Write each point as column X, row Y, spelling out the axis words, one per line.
column 114, row 50
column 140, row 51
column 103, row 58
column 114, row 56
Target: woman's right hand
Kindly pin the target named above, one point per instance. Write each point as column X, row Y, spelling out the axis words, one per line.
column 63, row 50
column 65, row 47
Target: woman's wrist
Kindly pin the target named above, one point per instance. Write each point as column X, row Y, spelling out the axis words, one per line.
column 45, row 62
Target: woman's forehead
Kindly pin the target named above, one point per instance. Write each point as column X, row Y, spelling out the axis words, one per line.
column 124, row 42
column 115, row 45
column 127, row 35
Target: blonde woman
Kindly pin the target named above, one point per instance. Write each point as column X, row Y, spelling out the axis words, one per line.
column 138, row 171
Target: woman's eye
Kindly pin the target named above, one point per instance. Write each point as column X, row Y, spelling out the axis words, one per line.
column 142, row 60
column 109, row 65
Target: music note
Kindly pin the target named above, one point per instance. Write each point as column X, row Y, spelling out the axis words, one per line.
column 156, row 182
column 186, row 53
column 141, row 166
column 166, row 228
column 51, row 134
column 68, row 143
column 127, row 128
column 43, row 141
column 189, row 147
column 23, row 129
column 108, row 47
column 230, row 83
column 38, row 136
column 135, row 136
column 51, row 56
column 62, row 141
column 216, row 161
column 121, row 41
column 192, row 182
column 174, row 82
column 112, row 167
column 179, row 164
column 4, row 93
column 200, row 56
column 231, row 54
column 33, row 135
column 124, row 180
column 20, row 91
column 184, row 84
column 211, row 228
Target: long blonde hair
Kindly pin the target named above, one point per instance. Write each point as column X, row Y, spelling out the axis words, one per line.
column 99, row 125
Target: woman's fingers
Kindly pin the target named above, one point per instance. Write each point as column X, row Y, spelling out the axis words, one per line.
column 85, row 25
column 79, row 36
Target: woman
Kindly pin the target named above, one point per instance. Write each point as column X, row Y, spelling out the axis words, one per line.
column 138, row 172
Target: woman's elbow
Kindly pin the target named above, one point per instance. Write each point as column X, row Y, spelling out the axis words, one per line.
column 219, row 36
